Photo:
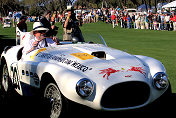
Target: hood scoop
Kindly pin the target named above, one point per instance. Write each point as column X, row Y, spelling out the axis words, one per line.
column 99, row 54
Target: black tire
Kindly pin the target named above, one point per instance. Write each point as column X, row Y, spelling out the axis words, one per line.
column 53, row 102
column 5, row 80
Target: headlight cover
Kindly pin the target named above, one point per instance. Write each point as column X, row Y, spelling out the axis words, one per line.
column 160, row 80
column 84, row 87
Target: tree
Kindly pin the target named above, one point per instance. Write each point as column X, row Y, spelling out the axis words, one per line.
column 8, row 5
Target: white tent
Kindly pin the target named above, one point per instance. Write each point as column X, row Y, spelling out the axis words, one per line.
column 170, row 5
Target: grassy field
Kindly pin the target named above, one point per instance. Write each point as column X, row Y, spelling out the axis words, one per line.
column 160, row 45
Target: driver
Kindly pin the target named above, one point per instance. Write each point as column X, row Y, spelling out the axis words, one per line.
column 38, row 39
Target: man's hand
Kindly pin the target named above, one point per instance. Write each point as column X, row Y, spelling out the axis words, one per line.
column 55, row 39
column 35, row 44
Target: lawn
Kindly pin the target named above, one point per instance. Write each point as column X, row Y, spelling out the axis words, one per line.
column 157, row 44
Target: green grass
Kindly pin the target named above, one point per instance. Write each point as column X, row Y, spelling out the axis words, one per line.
column 160, row 45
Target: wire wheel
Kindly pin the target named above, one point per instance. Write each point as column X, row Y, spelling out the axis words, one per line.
column 53, row 96
column 5, row 78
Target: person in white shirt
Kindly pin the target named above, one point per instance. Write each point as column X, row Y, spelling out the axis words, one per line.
column 37, row 39
column 167, row 23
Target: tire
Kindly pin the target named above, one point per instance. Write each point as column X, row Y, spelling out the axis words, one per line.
column 5, row 80
column 53, row 101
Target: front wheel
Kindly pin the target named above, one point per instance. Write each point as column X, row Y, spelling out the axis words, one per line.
column 5, row 78
column 54, row 100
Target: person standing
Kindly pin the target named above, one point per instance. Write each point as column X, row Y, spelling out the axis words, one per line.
column 113, row 19
column 71, row 26
column 150, row 18
column 133, row 20
column 167, row 19
column 137, row 20
column 129, row 22
column 146, row 21
column 22, row 24
column 174, row 22
column 52, row 32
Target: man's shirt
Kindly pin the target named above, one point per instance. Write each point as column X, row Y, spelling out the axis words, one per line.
column 47, row 42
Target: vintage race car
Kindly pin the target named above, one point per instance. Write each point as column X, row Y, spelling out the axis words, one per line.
column 6, row 22
column 90, row 74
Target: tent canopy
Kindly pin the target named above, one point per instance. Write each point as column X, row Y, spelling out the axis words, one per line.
column 170, row 5
column 143, row 7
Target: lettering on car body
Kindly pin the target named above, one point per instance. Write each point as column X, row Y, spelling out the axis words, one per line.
column 64, row 60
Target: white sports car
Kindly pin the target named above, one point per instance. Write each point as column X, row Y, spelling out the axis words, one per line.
column 6, row 22
column 90, row 74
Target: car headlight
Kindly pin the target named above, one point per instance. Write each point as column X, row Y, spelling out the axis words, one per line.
column 160, row 80
column 84, row 87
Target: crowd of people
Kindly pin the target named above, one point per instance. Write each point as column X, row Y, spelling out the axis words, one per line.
column 45, row 31
column 161, row 20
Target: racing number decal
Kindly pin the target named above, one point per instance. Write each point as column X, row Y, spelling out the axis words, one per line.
column 15, row 78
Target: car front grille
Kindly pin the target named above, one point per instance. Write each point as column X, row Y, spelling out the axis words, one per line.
column 127, row 94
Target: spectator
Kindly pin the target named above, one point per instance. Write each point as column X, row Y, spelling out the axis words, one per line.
column 133, row 21
column 129, row 22
column 167, row 19
column 113, row 19
column 137, row 19
column 22, row 24
column 71, row 27
column 146, row 21
column 52, row 32
column 174, row 22
column 124, row 21
column 150, row 18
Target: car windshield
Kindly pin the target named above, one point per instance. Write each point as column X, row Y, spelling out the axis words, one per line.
column 88, row 38
column 94, row 38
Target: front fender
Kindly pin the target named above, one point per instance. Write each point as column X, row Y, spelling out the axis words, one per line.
column 66, row 79
column 153, row 64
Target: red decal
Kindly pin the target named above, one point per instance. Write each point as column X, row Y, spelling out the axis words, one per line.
column 107, row 72
column 128, row 76
column 138, row 69
column 23, row 37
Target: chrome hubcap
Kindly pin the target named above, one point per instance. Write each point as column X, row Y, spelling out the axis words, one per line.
column 53, row 95
column 5, row 78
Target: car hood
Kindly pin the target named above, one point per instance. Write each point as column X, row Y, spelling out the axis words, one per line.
column 95, row 61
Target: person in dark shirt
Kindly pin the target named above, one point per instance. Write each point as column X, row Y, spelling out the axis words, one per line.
column 52, row 32
column 22, row 24
column 71, row 26
column 150, row 18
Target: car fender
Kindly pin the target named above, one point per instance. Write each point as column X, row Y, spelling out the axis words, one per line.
column 153, row 64
column 66, row 79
